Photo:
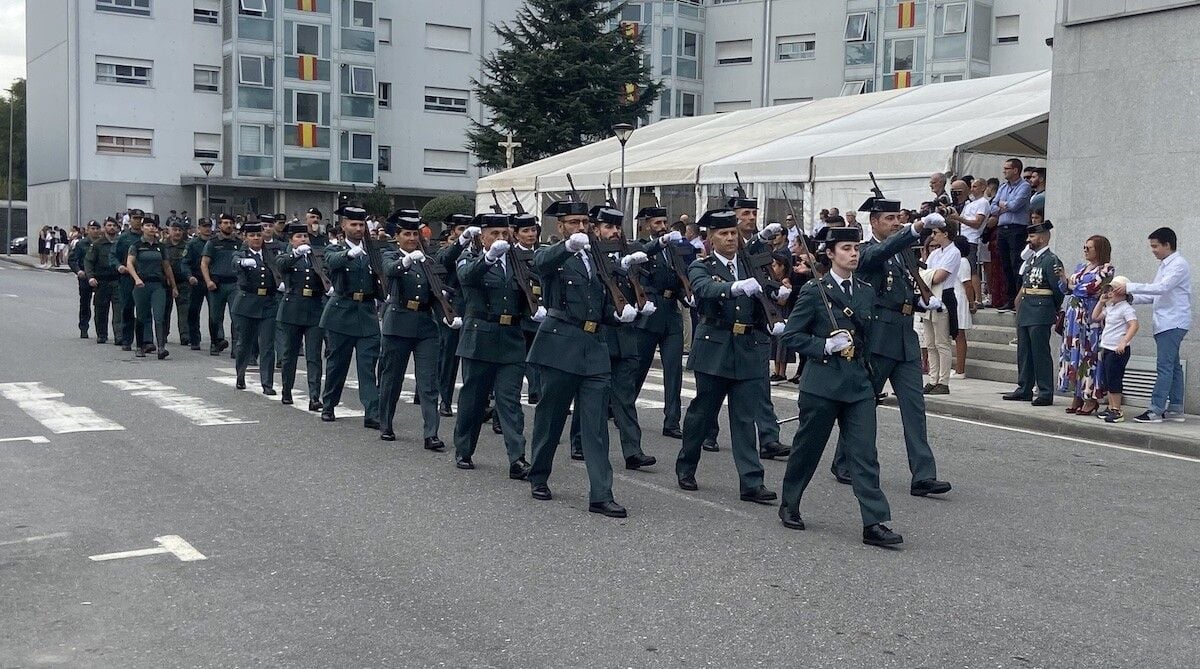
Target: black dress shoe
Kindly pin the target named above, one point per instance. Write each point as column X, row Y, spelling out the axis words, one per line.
column 772, row 450
column 269, row 391
column 434, row 444
column 519, row 470
column 327, row 417
column 129, row 347
column 387, row 435
column 315, row 405
column 150, row 348
column 541, row 492
column 710, row 446
column 140, row 353
column 102, row 340
column 1016, row 397
column 416, row 400
column 791, row 519
column 639, row 460
column 929, row 487
column 287, row 397
column 673, row 432
column 278, row 364
column 222, row 344
column 463, row 463
column 496, row 427
column 1042, row 401
column 610, row 509
column 760, row 495
column 534, row 398
column 880, row 535
column 83, row 334
column 445, row 412
column 212, row 350
column 576, row 454
column 688, row 482
column 163, row 353
column 240, row 384
column 842, row 476
column 194, row 347
column 370, row 423
column 487, row 414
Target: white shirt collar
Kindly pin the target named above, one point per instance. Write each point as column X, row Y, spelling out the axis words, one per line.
column 838, row 279
column 724, row 261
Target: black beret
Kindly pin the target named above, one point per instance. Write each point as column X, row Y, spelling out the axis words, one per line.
column 846, row 234
column 607, row 215
column 567, row 208
column 526, row 220
column 295, row 228
column 716, row 219
column 491, row 220
column 314, row 211
column 652, row 212
column 352, row 213
column 251, row 227
column 880, row 205
column 458, row 219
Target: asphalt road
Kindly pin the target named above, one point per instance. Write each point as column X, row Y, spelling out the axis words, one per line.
column 326, row 547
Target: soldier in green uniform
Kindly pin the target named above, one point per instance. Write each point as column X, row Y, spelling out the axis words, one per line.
column 458, row 225
column 100, row 267
column 129, row 330
column 571, row 348
column 299, row 315
column 75, row 262
column 176, row 246
column 662, row 330
column 491, row 346
column 895, row 354
column 318, row 238
column 220, row 277
column 730, row 350
column 349, row 320
column 830, row 325
column 148, row 267
column 1037, row 306
column 198, row 291
column 255, row 308
column 409, row 330
column 526, row 232
column 275, row 242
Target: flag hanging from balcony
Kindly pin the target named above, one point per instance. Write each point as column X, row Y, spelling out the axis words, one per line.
column 308, row 68
column 629, row 94
column 906, row 15
column 630, row 30
column 306, row 5
column 903, row 79
column 306, row 135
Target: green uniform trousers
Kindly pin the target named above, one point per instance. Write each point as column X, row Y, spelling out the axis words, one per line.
column 180, row 306
column 151, row 302
column 447, row 362
column 85, row 305
column 262, row 332
column 670, row 353
column 856, row 421
column 701, row 418
column 220, row 301
column 1035, row 366
column 313, row 337
column 559, row 389
column 622, row 403
column 104, row 305
column 765, row 420
column 338, row 350
column 533, row 373
column 130, row 328
column 198, row 296
column 481, row 379
column 393, row 364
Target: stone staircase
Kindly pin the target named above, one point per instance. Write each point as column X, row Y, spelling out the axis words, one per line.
column 989, row 355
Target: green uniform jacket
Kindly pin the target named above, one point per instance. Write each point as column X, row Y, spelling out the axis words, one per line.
column 571, row 299
column 125, row 241
column 220, row 251
column 303, row 297
column 100, row 262
column 256, row 286
column 409, row 311
column 490, row 295
column 1038, row 276
column 716, row 350
column 894, row 338
column 75, row 258
column 526, row 256
column 448, row 257
column 176, row 253
column 623, row 341
column 662, row 287
column 147, row 260
column 832, row 376
column 194, row 250
column 350, row 276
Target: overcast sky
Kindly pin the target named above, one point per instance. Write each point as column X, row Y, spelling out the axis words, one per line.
column 12, row 41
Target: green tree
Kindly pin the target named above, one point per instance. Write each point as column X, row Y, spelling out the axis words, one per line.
column 437, row 209
column 14, row 105
column 377, row 202
column 559, row 81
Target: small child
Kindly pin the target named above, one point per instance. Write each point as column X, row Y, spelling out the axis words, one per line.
column 1120, row 326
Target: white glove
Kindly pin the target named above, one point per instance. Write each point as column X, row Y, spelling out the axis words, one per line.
column 497, row 250
column 838, row 342
column 747, row 287
column 690, row 300
column 783, row 293
column 672, row 237
column 648, row 308
column 627, row 314
column 281, row 287
column 934, row 304
column 356, row 251
column 410, row 259
column 578, row 242
column 1026, row 253
column 249, row 262
column 454, row 324
column 302, row 250
column 777, row 329
column 770, row 232
column 329, row 293
column 934, row 221
column 539, row 315
column 635, row 258
column 469, row 234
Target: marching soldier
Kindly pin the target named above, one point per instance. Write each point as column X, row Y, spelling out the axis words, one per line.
column 276, row 243
column 730, row 350
column 318, row 238
column 100, row 267
column 154, row 285
column 197, row 290
column 255, row 308
column 129, row 330
column 1037, row 307
column 830, row 325
column 491, row 346
column 663, row 329
column 299, row 314
column 409, row 329
column 572, row 351
column 176, row 246
column 526, row 232
column 220, row 277
column 349, row 320
column 448, row 337
column 75, row 262
column 894, row 352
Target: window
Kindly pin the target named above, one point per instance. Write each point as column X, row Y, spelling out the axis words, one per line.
column 361, row 146
column 1008, row 29
column 951, row 77
column 206, row 11
column 308, row 39
column 385, row 158
column 124, row 141
column 856, row 27
column 852, row 88
column 252, row 70
column 688, row 104
column 306, row 107
column 362, row 14
column 730, row 105
column 446, row 100
column 796, row 47
column 384, row 31
column 954, row 19
column 735, row 52
column 254, row 7
column 688, row 55
column 385, row 94
column 111, row 70
column 791, row 101
column 206, row 79
column 689, row 44
column 447, row 38
column 903, row 53
column 362, row 80
column 250, row 140
column 631, row 12
column 446, row 162
column 206, row 146
column 139, row 7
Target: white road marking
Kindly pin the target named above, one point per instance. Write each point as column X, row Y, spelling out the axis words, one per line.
column 11, row 295
column 42, row 403
column 170, row 543
column 298, row 396
column 38, row 439
column 167, row 397
column 29, row 540
column 674, row 493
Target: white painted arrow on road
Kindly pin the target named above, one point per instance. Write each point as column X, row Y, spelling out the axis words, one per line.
column 170, row 543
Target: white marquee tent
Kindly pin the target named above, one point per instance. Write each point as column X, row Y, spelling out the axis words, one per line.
column 818, row 152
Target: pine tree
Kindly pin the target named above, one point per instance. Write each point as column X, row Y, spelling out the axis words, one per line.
column 377, row 202
column 559, row 81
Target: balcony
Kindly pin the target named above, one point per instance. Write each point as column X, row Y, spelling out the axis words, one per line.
column 306, row 68
column 358, row 172
column 305, row 136
column 358, row 40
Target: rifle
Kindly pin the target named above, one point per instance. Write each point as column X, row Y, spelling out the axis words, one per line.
column 519, row 261
column 375, row 262
column 910, row 261
column 601, row 262
column 675, row 261
column 634, row 272
column 433, row 274
column 757, row 265
column 808, row 256
column 317, row 256
column 496, row 207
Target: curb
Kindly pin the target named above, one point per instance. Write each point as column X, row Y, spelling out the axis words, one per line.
column 28, row 261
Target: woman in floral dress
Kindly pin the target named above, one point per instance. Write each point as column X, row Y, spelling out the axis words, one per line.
column 1077, row 370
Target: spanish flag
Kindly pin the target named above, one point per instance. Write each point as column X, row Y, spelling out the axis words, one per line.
column 306, row 135
column 906, row 15
column 306, row 5
column 629, row 94
column 630, row 30
column 903, row 79
column 308, row 68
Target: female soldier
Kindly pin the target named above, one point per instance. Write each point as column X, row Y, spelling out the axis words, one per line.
column 151, row 271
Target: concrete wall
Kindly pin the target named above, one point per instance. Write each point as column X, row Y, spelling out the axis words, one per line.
column 1122, row 130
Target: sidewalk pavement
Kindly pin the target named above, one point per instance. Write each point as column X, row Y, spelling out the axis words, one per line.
column 31, row 261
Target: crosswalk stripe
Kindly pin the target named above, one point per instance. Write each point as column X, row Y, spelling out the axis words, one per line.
column 167, row 397
column 298, row 396
column 42, row 403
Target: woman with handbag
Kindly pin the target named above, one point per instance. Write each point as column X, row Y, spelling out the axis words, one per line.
column 1078, row 371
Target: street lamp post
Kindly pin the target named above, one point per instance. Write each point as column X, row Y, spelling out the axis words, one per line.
column 12, row 111
column 207, row 167
column 623, row 132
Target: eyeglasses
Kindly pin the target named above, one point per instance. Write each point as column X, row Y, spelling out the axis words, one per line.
column 1028, row 178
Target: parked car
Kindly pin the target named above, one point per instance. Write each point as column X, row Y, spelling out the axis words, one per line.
column 19, row 245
